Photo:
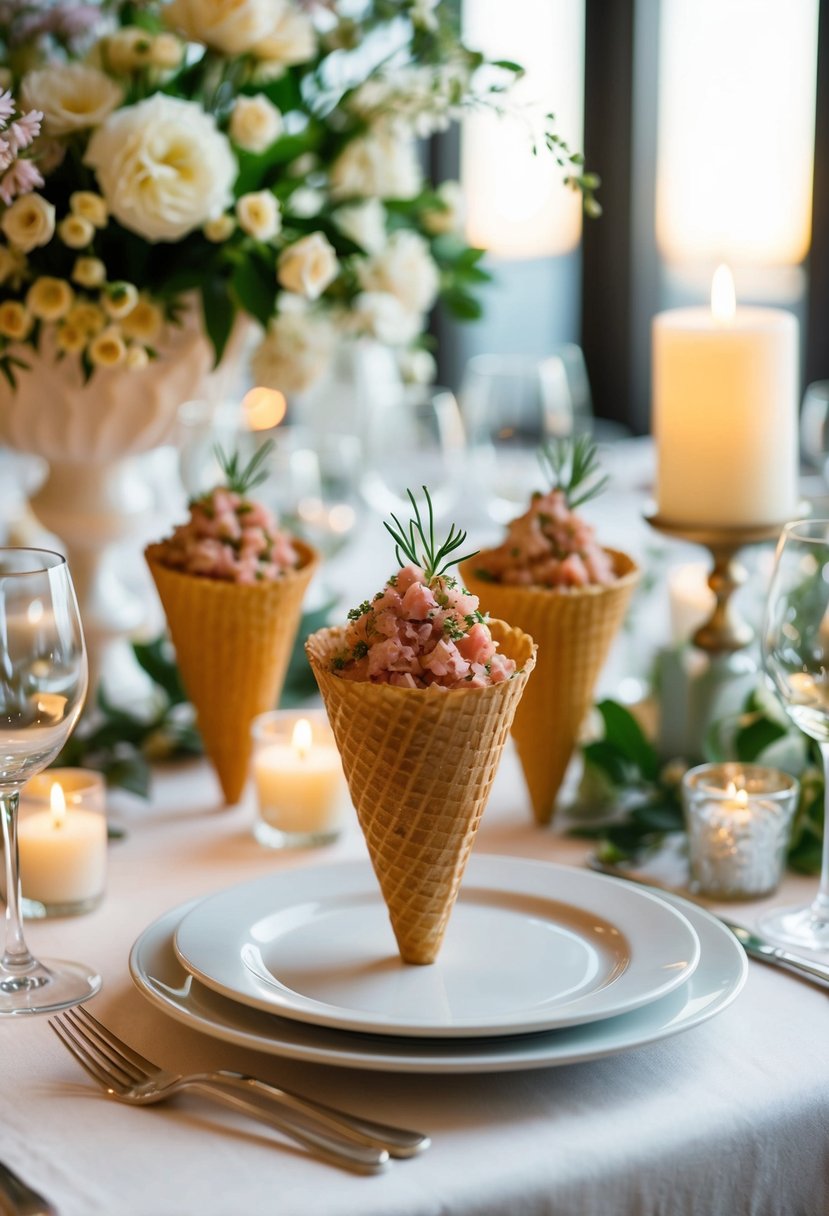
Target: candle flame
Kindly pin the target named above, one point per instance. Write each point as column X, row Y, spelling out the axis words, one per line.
column 263, row 408
column 740, row 797
column 723, row 295
column 301, row 738
column 57, row 804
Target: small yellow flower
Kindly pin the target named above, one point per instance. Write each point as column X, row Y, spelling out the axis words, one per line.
column 219, row 229
column 15, row 321
column 128, row 49
column 49, row 299
column 137, row 358
column 144, row 321
column 12, row 265
column 166, row 52
column 119, row 300
column 71, row 338
column 109, row 348
column 87, row 316
column 89, row 206
column 258, row 215
column 89, row 272
column 76, row 231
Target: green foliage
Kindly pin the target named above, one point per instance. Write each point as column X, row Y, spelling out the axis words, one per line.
column 435, row 559
column 241, row 479
column 572, row 466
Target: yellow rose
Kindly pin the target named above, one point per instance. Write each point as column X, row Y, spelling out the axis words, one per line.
column 258, row 215
column 255, row 123
column 144, row 321
column 29, row 222
column 76, row 232
column 49, row 299
column 87, row 316
column 119, row 300
column 89, row 206
column 71, row 96
column 166, row 52
column 109, row 348
column 137, row 358
column 12, row 265
column 308, row 266
column 71, row 338
column 89, row 272
column 220, row 229
column 15, row 321
column 128, row 49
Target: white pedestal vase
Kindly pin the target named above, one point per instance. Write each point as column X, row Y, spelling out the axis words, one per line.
column 89, row 432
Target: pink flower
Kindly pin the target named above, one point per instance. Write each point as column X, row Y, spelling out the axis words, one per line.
column 21, row 178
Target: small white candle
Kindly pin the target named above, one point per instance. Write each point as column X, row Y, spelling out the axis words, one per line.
column 298, row 782
column 62, row 853
column 725, row 405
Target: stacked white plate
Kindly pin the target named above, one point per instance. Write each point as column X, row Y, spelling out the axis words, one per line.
column 542, row 964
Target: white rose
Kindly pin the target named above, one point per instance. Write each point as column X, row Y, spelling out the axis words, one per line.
column 417, row 366
column 163, row 166
column 29, row 222
column 71, row 96
column 293, row 353
column 308, row 266
column 406, row 269
column 364, row 223
column 258, row 215
column 449, row 217
column 255, row 123
column 384, row 317
column 233, row 27
column 291, row 38
column 382, row 164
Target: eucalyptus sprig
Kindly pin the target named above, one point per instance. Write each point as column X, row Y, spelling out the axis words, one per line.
column 572, row 466
column 242, row 479
column 434, row 559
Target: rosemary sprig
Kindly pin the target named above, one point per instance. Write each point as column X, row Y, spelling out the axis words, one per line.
column 434, row 559
column 241, row 479
column 572, row 465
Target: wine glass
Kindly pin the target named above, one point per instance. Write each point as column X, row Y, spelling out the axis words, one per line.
column 814, row 426
column 796, row 657
column 413, row 439
column 43, row 681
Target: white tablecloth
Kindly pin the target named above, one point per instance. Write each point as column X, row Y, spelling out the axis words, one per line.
column 730, row 1118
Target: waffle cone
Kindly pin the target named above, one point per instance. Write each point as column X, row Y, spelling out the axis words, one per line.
column 233, row 643
column 574, row 630
column 419, row 767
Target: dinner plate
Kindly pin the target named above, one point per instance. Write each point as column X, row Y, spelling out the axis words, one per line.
column 530, row 946
column 715, row 983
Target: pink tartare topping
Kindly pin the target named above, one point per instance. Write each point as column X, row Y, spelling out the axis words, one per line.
column 421, row 634
column 549, row 546
column 229, row 537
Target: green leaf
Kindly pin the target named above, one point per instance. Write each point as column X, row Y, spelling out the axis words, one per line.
column 219, row 313
column 254, row 285
column 611, row 761
column 751, row 740
column 624, row 732
column 131, row 773
column 156, row 658
column 462, row 305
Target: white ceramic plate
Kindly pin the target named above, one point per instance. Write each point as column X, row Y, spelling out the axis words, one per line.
column 716, row 982
column 531, row 946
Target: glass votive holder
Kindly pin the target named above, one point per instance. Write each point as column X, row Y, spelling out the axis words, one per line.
column 62, row 842
column 738, row 818
column 298, row 777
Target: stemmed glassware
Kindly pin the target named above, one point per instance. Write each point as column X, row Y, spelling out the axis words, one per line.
column 43, row 681
column 796, row 657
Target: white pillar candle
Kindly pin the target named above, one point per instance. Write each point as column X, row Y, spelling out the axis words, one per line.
column 62, row 853
column 725, row 402
column 298, row 782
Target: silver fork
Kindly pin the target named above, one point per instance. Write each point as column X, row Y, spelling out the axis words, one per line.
column 129, row 1077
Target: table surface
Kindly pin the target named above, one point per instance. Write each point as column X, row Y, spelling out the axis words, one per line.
column 730, row 1118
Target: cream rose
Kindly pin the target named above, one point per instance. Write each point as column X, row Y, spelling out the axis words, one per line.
column 71, row 338
column 89, row 272
column 144, row 321
column 108, row 349
column 12, row 265
column 128, row 49
column 166, row 52
column 363, row 223
column 220, row 229
column 71, row 96
column 382, row 316
column 449, row 217
column 29, row 222
column 163, row 166
column 137, row 358
column 233, row 27
column 308, row 266
column 119, row 300
column 405, row 269
column 294, row 352
column 49, row 299
column 255, row 123
column 291, row 38
column 15, row 321
column 258, row 215
column 89, row 206
column 76, row 232
column 87, row 316
column 382, row 164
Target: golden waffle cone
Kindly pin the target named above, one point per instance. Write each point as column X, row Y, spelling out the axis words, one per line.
column 574, row 629
column 233, row 643
column 419, row 767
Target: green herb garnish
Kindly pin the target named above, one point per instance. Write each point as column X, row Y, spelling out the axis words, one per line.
column 572, row 466
column 241, row 479
column 433, row 559
column 354, row 614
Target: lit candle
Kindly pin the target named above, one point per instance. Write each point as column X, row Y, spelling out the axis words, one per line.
column 298, row 779
column 725, row 403
column 62, row 853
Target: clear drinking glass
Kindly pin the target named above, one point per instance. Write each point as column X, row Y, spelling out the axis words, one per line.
column 43, row 681
column 814, row 426
column 796, row 657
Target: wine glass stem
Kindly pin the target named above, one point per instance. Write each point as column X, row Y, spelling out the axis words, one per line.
column 16, row 956
column 820, row 907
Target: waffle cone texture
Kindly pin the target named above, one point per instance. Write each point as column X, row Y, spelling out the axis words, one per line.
column 233, row 643
column 419, row 766
column 574, row 629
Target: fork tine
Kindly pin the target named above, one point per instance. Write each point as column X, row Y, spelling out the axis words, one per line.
column 78, row 1049
column 134, row 1066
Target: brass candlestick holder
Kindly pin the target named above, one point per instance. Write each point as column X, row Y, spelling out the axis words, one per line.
column 725, row 631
